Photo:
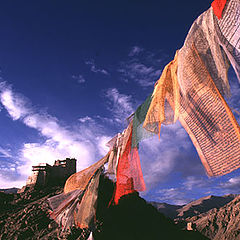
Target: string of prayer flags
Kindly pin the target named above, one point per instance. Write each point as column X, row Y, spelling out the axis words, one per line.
column 191, row 89
column 78, row 206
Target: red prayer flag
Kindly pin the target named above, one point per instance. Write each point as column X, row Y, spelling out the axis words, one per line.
column 218, row 6
column 129, row 172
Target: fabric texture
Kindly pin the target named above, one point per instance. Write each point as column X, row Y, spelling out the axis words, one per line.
column 81, row 179
column 218, row 6
column 139, row 133
column 129, row 173
column 202, row 76
column 78, row 207
column 208, row 119
column 84, row 215
column 115, row 145
column 203, row 35
column 63, row 207
column 227, row 32
column 160, row 110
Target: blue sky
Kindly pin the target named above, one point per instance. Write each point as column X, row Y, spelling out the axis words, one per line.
column 72, row 71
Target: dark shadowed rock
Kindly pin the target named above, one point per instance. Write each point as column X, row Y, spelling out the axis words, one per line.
column 133, row 218
column 9, row 190
column 25, row 216
column 168, row 210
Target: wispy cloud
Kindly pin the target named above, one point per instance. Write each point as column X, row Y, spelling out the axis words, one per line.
column 79, row 78
column 231, row 186
column 135, row 51
column 120, row 105
column 173, row 196
column 193, row 182
column 5, row 153
column 59, row 142
column 15, row 105
column 86, row 119
column 96, row 69
column 142, row 66
column 179, row 195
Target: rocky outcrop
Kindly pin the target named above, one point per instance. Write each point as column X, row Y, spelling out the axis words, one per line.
column 203, row 205
column 25, row 216
column 217, row 218
column 220, row 224
column 193, row 208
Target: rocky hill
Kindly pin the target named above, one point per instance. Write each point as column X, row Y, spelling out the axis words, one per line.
column 25, row 216
column 220, row 224
column 193, row 208
column 217, row 218
column 203, row 205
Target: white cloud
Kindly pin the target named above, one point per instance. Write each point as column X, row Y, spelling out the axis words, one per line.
column 80, row 79
column 120, row 104
column 231, row 186
column 50, row 150
column 157, row 163
column 171, row 154
column 13, row 104
column 96, row 69
column 106, row 120
column 83, row 143
column 102, row 141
